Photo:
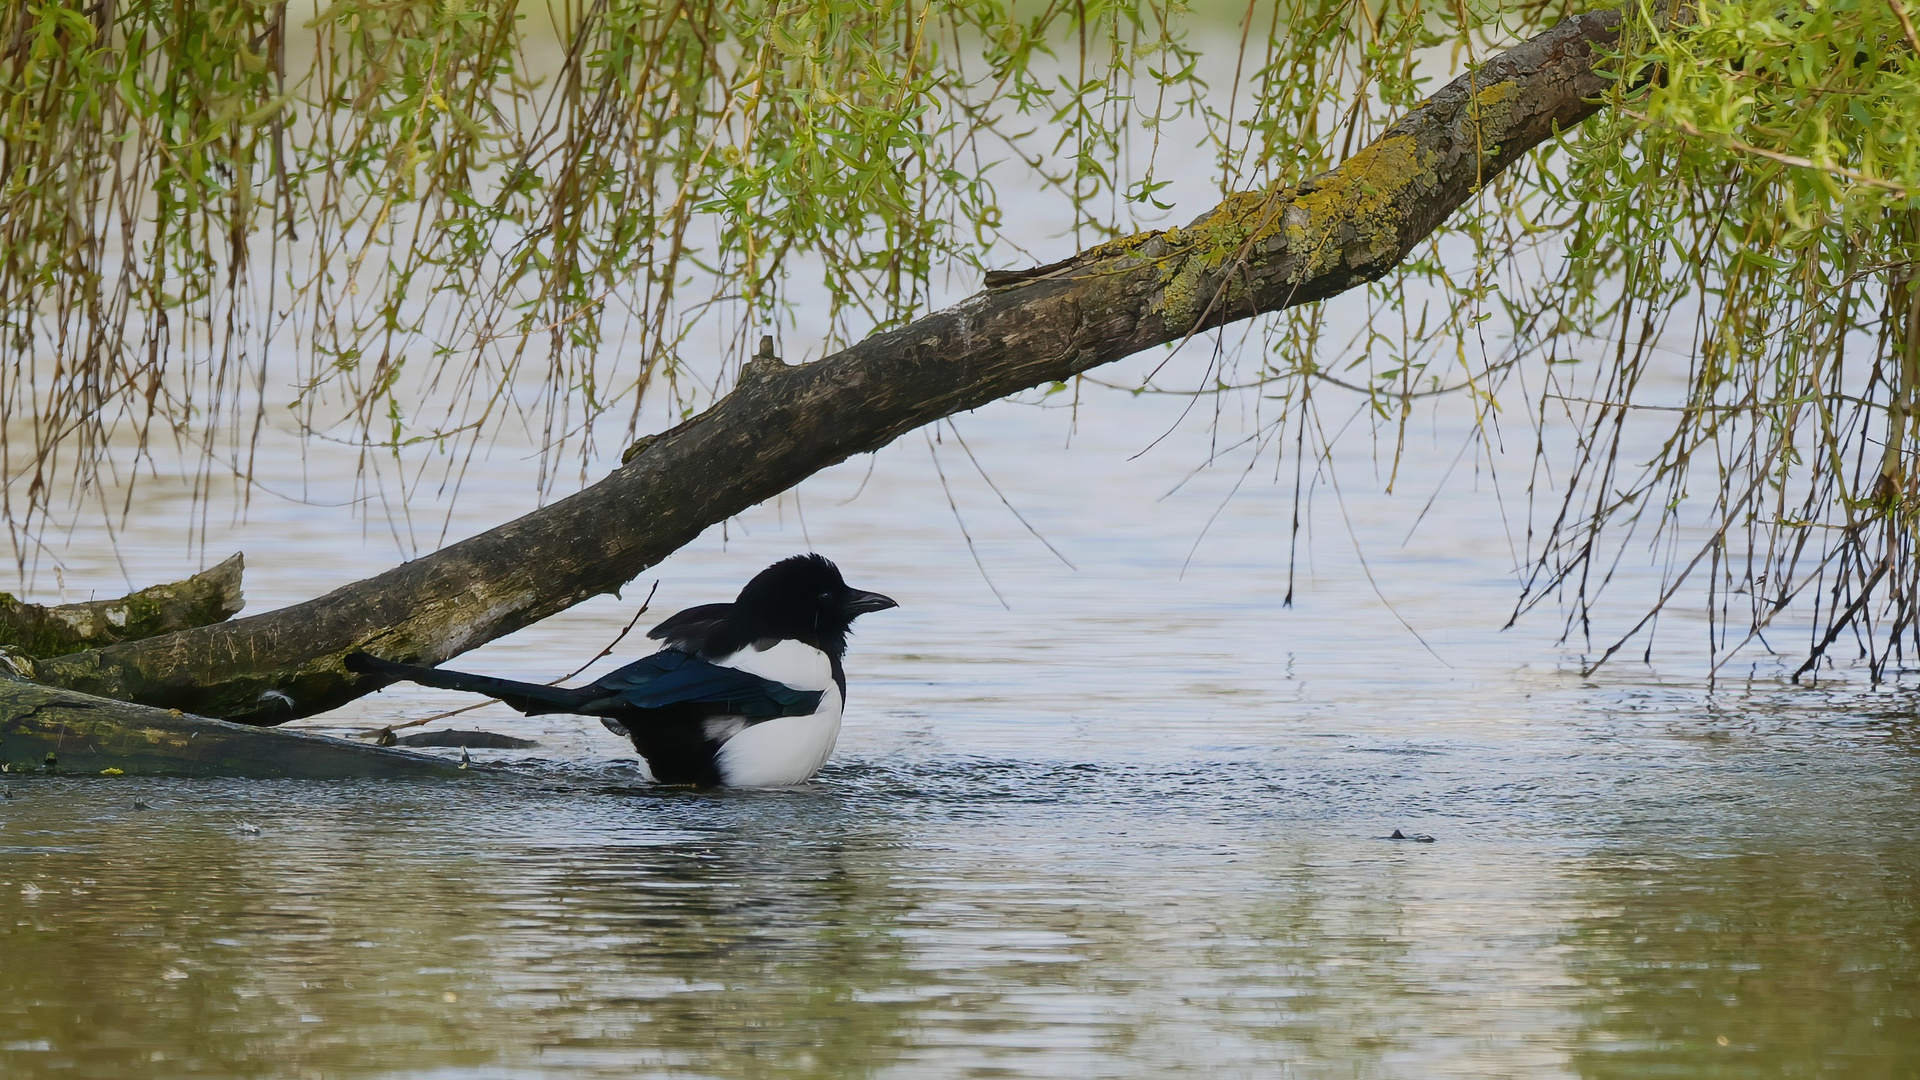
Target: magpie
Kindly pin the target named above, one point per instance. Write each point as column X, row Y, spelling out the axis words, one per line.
column 746, row 694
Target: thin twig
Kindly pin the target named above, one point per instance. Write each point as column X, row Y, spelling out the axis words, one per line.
column 955, row 507
column 381, row 735
column 1840, row 624
column 1906, row 24
column 1732, row 143
column 1003, row 499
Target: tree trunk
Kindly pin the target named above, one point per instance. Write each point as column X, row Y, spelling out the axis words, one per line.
column 1255, row 252
column 208, row 597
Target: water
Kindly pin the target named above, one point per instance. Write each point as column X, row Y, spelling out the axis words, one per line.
column 975, row 917
column 1134, row 824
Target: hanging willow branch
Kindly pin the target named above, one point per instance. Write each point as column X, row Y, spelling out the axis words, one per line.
column 406, row 223
column 1256, row 251
column 410, row 212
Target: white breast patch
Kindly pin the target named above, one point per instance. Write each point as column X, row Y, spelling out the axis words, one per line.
column 791, row 663
column 786, row 750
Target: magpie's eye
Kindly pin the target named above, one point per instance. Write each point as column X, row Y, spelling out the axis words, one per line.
column 826, row 598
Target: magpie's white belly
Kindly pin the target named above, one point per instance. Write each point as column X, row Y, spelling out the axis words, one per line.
column 787, row 750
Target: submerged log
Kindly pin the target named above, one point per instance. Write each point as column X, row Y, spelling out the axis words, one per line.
column 1255, row 252
column 208, row 597
column 47, row 730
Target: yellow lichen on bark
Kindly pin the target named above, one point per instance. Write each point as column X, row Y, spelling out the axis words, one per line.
column 1231, row 229
column 1493, row 113
column 1494, row 103
column 1122, row 245
column 1363, row 195
column 1357, row 212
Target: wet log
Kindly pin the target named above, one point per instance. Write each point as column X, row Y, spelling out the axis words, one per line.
column 208, row 597
column 49, row 730
column 1255, row 252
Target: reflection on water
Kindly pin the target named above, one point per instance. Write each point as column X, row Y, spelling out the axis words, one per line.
column 1753, row 963
column 970, row 917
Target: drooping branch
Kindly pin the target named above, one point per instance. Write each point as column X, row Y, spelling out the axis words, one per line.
column 1255, row 252
column 208, row 597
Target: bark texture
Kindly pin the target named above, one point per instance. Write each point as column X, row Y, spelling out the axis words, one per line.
column 1253, row 253
column 47, row 730
column 208, row 597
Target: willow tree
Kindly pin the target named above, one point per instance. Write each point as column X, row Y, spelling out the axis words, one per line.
column 430, row 207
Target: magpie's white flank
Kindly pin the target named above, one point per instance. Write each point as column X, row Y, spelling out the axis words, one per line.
column 746, row 694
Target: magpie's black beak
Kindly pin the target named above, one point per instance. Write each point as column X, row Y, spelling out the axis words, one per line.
column 859, row 603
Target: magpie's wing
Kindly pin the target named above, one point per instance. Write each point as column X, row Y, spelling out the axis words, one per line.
column 688, row 630
column 672, row 677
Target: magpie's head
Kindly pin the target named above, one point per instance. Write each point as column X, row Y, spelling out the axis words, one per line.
column 805, row 597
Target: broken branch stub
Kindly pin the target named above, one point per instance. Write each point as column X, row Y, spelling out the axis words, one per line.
column 1253, row 253
column 39, row 631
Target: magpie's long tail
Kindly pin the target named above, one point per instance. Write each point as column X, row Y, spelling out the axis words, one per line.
column 530, row 698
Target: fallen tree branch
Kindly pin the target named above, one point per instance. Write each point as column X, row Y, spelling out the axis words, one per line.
column 1255, row 252
column 46, row 730
column 208, row 597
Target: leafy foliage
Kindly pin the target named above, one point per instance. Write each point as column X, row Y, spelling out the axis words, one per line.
column 1749, row 203
column 416, row 201
column 424, row 206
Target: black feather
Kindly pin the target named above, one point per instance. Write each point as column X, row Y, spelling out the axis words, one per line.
column 532, row 699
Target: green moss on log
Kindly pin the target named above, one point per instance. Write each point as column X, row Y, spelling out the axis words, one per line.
column 43, row 729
